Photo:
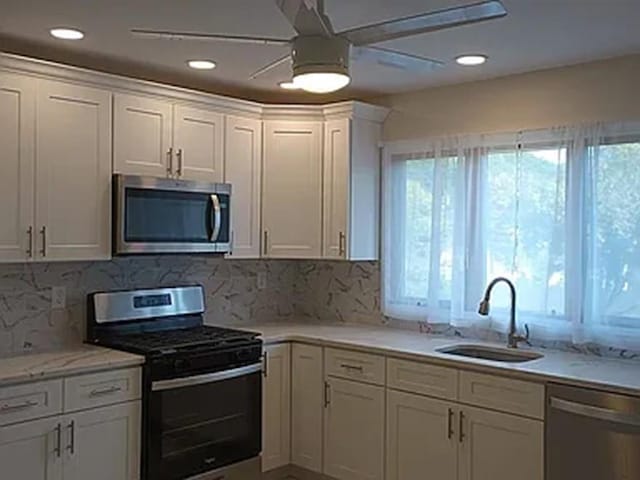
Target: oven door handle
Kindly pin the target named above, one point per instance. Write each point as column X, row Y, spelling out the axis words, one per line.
column 217, row 217
column 206, row 378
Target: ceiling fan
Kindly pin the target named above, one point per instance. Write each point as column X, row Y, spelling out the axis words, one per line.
column 320, row 57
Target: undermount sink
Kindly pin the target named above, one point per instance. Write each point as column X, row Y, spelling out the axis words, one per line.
column 491, row 353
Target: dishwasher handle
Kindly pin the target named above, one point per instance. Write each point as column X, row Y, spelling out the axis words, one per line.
column 598, row 413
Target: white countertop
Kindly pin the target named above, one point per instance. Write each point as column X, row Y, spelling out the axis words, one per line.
column 60, row 363
column 622, row 376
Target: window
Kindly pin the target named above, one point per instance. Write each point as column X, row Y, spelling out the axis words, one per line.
column 557, row 212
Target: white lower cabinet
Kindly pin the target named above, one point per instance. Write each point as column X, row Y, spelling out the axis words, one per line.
column 31, row 450
column 276, row 407
column 103, row 444
column 420, row 439
column 500, row 446
column 354, row 431
column 306, row 406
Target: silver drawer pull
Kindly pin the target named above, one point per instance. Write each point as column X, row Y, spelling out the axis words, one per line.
column 6, row 408
column 352, row 367
column 105, row 391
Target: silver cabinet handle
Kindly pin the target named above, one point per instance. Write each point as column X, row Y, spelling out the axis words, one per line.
column 265, row 247
column 341, row 244
column 217, row 217
column 104, row 391
column 170, row 161
column 179, row 154
column 598, row 413
column 327, row 394
column 72, row 438
column 231, row 240
column 352, row 367
column 450, row 415
column 6, row 408
column 461, row 427
column 30, row 246
column 58, row 449
column 43, row 232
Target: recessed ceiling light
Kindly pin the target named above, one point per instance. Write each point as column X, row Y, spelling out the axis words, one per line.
column 202, row 64
column 66, row 33
column 289, row 85
column 471, row 60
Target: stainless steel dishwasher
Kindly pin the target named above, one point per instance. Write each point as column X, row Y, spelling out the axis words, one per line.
column 592, row 435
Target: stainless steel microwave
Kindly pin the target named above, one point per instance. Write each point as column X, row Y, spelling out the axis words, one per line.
column 162, row 215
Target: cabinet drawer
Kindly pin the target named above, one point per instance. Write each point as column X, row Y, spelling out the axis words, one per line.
column 422, row 378
column 363, row 367
column 104, row 388
column 504, row 394
column 28, row 401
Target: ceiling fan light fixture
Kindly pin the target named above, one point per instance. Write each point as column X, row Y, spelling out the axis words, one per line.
column 289, row 85
column 471, row 60
column 65, row 33
column 201, row 64
column 321, row 82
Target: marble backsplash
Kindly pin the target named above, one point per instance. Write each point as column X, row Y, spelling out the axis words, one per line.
column 315, row 291
column 28, row 323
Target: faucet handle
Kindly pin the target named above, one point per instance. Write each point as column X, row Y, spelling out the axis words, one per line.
column 527, row 334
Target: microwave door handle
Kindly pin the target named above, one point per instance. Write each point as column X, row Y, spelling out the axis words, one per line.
column 217, row 217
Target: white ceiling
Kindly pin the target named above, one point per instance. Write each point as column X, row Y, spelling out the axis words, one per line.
column 536, row 34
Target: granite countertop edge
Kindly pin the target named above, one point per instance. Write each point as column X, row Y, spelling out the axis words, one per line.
column 567, row 368
column 77, row 360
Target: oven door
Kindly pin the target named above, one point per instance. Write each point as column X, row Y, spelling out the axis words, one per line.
column 157, row 215
column 205, row 422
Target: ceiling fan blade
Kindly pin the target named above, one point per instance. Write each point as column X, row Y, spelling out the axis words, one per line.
column 427, row 22
column 394, row 59
column 209, row 37
column 306, row 16
column 270, row 66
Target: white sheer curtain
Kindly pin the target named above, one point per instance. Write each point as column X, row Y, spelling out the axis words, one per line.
column 557, row 211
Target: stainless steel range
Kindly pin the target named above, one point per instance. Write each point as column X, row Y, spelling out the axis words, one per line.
column 202, row 385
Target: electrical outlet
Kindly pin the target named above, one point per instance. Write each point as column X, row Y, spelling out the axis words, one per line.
column 262, row 280
column 58, row 297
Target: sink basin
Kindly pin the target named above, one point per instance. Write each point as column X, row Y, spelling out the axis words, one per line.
column 491, row 353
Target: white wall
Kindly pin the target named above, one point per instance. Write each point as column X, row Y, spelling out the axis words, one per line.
column 603, row 90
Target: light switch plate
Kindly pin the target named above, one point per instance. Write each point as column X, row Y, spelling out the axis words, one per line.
column 58, row 297
column 262, row 280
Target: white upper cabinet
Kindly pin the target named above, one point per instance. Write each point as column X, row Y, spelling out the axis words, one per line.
column 198, row 144
column 292, row 189
column 351, row 186
column 17, row 125
column 154, row 137
column 73, row 171
column 243, row 170
column 142, row 136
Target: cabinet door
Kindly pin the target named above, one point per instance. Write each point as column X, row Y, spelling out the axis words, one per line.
column 17, row 124
column 337, row 157
column 103, row 443
column 243, row 170
column 142, row 130
column 197, row 140
column 306, row 406
column 421, row 442
column 497, row 446
column 31, row 450
column 73, row 172
column 354, row 431
column 276, row 408
column 292, row 189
